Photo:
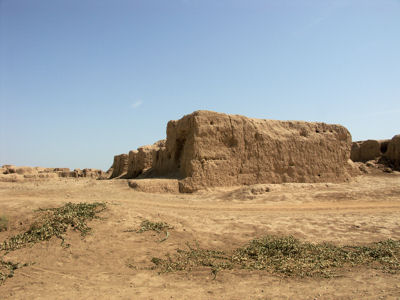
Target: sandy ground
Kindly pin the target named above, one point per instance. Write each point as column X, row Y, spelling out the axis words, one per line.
column 97, row 266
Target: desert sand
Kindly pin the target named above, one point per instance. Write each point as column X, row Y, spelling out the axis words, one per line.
column 114, row 262
column 218, row 181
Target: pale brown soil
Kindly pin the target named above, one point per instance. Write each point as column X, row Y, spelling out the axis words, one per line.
column 97, row 266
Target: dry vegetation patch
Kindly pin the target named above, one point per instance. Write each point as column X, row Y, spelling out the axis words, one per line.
column 50, row 222
column 287, row 256
column 55, row 222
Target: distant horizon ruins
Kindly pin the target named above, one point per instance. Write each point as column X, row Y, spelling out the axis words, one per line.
column 209, row 149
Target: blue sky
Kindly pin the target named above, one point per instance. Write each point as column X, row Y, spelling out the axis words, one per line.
column 83, row 80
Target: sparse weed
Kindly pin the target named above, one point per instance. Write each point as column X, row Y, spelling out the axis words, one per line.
column 7, row 270
column 147, row 225
column 287, row 256
column 186, row 260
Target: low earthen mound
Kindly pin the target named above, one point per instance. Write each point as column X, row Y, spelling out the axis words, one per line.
column 248, row 192
column 206, row 149
column 155, row 185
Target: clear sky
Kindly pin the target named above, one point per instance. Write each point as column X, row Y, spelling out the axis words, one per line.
column 83, row 80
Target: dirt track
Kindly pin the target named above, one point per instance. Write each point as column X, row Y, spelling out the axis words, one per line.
column 363, row 211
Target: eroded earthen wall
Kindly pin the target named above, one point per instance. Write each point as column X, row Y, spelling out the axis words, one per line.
column 363, row 151
column 386, row 152
column 392, row 155
column 140, row 161
column 212, row 149
column 119, row 166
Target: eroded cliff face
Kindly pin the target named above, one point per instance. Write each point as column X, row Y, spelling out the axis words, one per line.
column 207, row 149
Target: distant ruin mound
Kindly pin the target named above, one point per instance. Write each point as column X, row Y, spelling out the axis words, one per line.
column 11, row 173
column 385, row 152
column 207, row 149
